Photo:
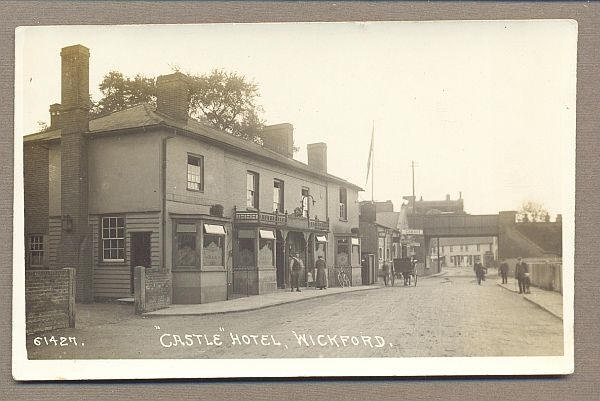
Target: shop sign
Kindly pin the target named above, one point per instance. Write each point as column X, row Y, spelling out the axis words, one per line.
column 411, row 231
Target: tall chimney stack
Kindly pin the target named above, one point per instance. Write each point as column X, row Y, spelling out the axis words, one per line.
column 75, row 248
column 317, row 156
column 173, row 96
column 279, row 138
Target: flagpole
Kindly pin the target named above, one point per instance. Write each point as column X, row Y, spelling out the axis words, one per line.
column 373, row 164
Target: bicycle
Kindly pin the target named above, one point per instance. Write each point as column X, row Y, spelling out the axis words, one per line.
column 343, row 279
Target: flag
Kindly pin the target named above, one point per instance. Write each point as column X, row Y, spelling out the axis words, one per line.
column 370, row 154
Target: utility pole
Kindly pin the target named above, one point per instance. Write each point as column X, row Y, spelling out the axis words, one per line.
column 413, row 185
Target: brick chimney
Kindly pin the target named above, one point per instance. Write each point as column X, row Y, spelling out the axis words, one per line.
column 75, row 248
column 55, row 115
column 173, row 96
column 279, row 138
column 317, row 156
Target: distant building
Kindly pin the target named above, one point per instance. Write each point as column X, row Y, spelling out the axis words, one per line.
column 463, row 251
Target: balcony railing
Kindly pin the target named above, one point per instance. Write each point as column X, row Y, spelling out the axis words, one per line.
column 281, row 220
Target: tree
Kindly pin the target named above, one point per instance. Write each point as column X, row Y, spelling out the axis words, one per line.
column 120, row 92
column 226, row 101
column 532, row 212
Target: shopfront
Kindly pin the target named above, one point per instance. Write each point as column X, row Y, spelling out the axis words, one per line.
column 200, row 246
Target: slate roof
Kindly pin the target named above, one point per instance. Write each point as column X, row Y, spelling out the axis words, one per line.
column 388, row 219
column 144, row 115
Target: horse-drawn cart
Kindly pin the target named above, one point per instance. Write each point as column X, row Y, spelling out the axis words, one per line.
column 405, row 268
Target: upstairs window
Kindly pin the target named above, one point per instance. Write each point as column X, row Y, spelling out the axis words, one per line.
column 252, row 189
column 278, row 196
column 113, row 239
column 305, row 208
column 36, row 250
column 195, row 173
column 343, row 204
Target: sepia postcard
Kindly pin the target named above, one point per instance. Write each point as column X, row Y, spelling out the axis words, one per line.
column 294, row 200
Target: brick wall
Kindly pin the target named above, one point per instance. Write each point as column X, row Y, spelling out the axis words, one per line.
column 36, row 188
column 152, row 289
column 49, row 299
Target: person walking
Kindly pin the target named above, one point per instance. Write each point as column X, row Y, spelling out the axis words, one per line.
column 321, row 281
column 297, row 267
column 479, row 272
column 522, row 275
column 504, row 272
column 386, row 273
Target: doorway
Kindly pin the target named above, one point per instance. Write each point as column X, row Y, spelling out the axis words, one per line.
column 140, row 252
column 280, row 261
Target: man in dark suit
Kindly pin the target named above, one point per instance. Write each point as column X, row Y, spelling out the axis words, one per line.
column 522, row 275
column 297, row 267
column 504, row 272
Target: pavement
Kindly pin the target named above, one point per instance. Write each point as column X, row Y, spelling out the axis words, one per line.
column 255, row 302
column 441, row 316
column 550, row 301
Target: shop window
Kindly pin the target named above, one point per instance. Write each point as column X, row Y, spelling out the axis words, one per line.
column 113, row 239
column 355, row 251
column 343, row 252
column 265, row 248
column 36, row 250
column 252, row 189
column 278, row 196
column 195, row 173
column 186, row 255
column 343, row 204
column 213, row 245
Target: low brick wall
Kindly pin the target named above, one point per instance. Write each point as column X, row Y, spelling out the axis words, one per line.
column 152, row 289
column 49, row 299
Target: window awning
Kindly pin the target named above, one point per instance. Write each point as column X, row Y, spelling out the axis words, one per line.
column 266, row 234
column 321, row 238
column 355, row 241
column 216, row 229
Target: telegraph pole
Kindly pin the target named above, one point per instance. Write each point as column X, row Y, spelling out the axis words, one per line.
column 413, row 185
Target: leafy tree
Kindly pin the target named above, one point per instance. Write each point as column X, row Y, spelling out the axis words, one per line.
column 532, row 212
column 226, row 101
column 120, row 92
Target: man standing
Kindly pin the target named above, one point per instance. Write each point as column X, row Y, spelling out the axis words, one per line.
column 320, row 266
column 521, row 273
column 297, row 267
column 504, row 272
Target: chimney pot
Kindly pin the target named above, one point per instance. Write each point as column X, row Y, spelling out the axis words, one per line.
column 173, row 96
column 317, row 156
column 54, row 115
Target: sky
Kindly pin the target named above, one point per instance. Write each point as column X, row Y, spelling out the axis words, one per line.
column 486, row 109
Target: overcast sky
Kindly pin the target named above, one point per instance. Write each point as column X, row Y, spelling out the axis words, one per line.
column 483, row 108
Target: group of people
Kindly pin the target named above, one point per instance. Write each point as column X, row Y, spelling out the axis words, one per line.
column 521, row 274
column 298, row 265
